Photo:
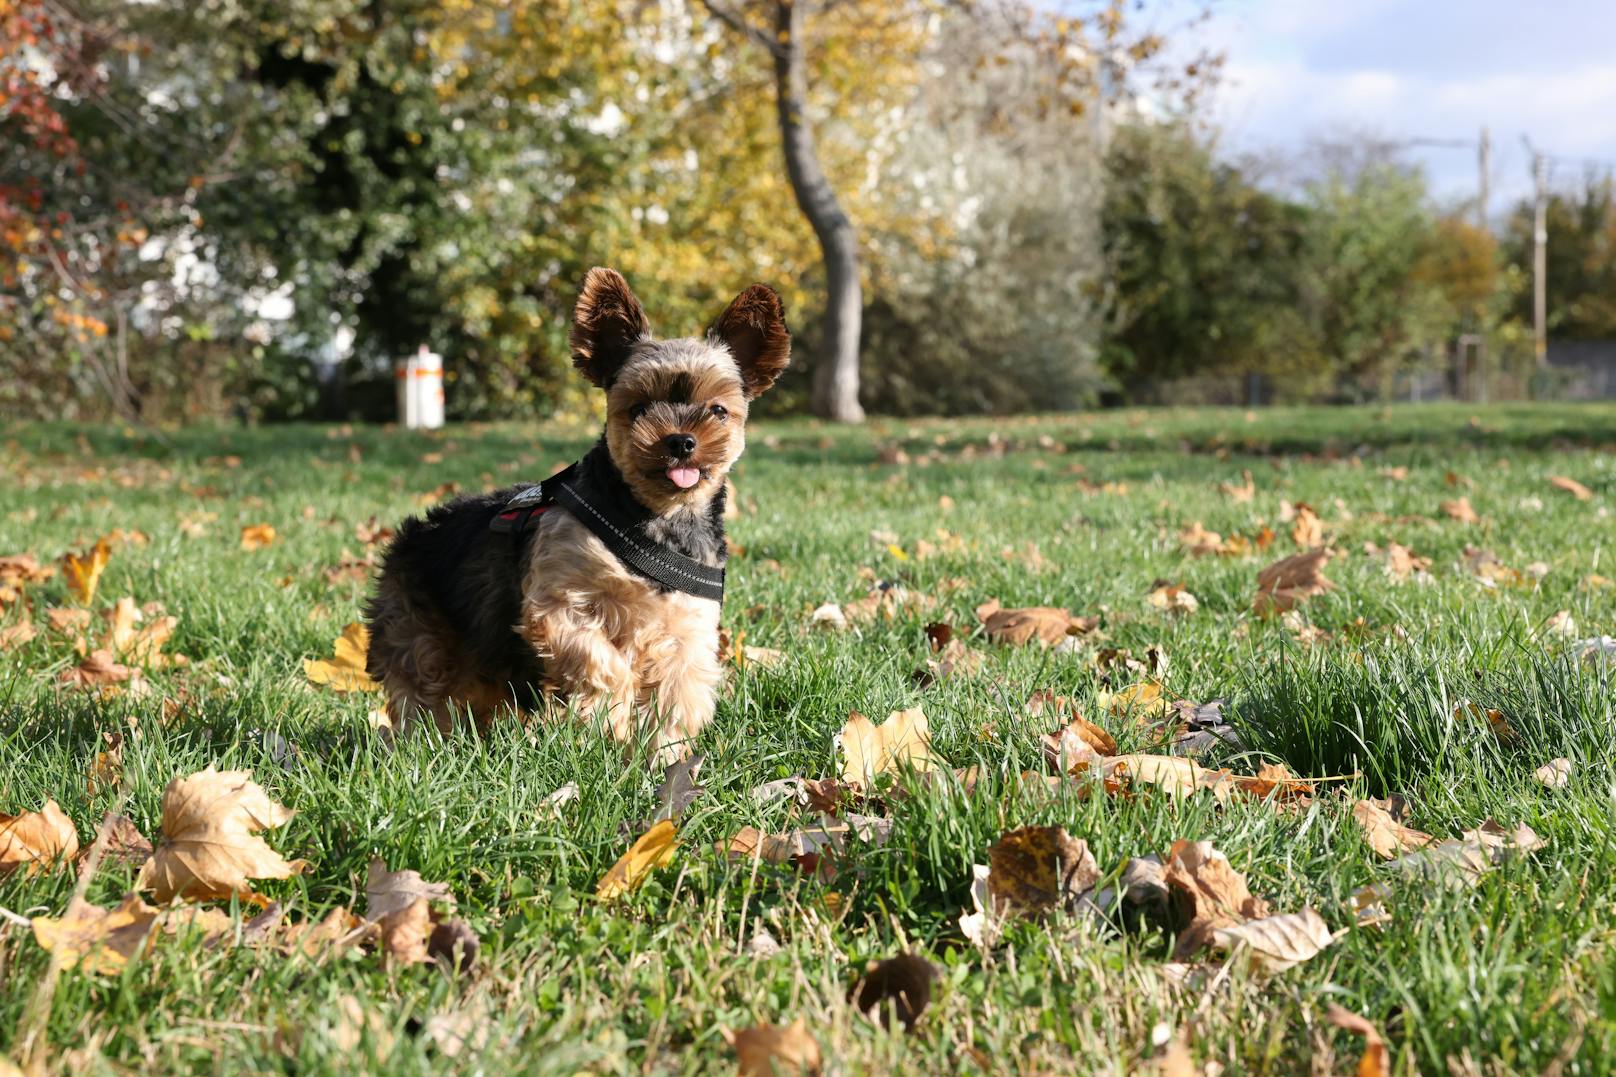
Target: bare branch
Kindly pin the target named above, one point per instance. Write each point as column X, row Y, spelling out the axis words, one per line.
column 732, row 18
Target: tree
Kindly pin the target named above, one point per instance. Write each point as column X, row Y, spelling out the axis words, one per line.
column 1581, row 252
column 882, row 31
column 1205, row 268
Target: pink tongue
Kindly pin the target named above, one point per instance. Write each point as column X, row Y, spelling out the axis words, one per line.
column 684, row 477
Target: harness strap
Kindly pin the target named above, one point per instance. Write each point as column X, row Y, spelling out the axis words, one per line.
column 623, row 537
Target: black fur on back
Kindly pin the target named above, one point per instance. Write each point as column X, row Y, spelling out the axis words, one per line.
column 471, row 576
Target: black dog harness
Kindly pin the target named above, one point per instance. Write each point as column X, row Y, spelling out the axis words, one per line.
column 623, row 534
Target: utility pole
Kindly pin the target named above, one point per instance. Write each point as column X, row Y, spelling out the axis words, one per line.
column 1540, row 253
column 1484, row 164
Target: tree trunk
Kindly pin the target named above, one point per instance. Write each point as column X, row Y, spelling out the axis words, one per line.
column 834, row 390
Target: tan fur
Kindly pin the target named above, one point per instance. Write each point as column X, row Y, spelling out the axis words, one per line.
column 620, row 647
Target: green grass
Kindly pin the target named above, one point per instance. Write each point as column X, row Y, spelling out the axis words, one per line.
column 1516, row 975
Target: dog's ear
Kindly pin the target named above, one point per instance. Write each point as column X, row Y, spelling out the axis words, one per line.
column 754, row 328
column 606, row 324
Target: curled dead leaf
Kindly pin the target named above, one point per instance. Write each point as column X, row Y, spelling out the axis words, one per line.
column 1044, row 624
column 1276, row 943
column 211, row 848
column 1206, row 894
column 1460, row 510
column 37, row 840
column 1285, row 583
column 97, row 939
column 1555, row 774
column 1384, row 831
column 1376, row 1060
column 896, row 987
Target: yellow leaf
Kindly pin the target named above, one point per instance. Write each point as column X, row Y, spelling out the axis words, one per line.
column 653, row 849
column 345, row 671
column 102, row 940
column 84, row 573
column 257, row 536
column 869, row 750
column 37, row 839
column 897, row 551
column 211, row 847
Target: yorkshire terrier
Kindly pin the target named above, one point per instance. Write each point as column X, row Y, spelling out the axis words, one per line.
column 603, row 582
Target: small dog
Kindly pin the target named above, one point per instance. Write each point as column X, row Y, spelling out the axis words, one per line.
column 605, row 581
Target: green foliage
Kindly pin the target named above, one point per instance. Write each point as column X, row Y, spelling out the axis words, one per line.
column 1206, row 270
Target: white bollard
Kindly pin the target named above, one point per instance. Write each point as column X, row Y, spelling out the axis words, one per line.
column 420, row 390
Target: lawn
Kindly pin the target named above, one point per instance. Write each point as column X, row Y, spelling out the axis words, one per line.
column 1381, row 685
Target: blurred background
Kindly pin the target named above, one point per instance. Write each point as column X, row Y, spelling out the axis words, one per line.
column 244, row 210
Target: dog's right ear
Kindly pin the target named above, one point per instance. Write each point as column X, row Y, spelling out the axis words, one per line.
column 606, row 324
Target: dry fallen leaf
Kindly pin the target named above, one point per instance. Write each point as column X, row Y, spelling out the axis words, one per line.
column 869, row 751
column 1571, row 486
column 99, row 940
column 1461, row 862
column 211, row 848
column 1141, row 701
column 829, row 616
column 1073, row 747
column 1172, row 598
column 143, row 645
column 1308, row 530
column 1276, row 943
column 37, row 839
column 100, row 670
column 345, row 671
column 1284, row 584
column 1460, row 510
column 653, row 849
column 1207, row 894
column 1555, row 774
column 257, row 536
column 15, row 635
column 83, row 573
column 1045, row 624
column 1035, row 869
column 767, row 1050
column 125, row 844
column 388, row 893
column 1376, row 1060
column 1384, row 831
column 1174, row 775
column 1402, row 562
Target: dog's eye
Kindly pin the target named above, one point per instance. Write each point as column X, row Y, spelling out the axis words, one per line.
column 719, row 411
column 636, row 411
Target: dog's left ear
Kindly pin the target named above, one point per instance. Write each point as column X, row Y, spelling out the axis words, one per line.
column 754, row 328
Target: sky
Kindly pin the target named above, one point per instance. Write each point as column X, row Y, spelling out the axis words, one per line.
column 1440, row 69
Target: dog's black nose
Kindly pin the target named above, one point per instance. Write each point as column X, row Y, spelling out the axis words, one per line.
column 679, row 444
